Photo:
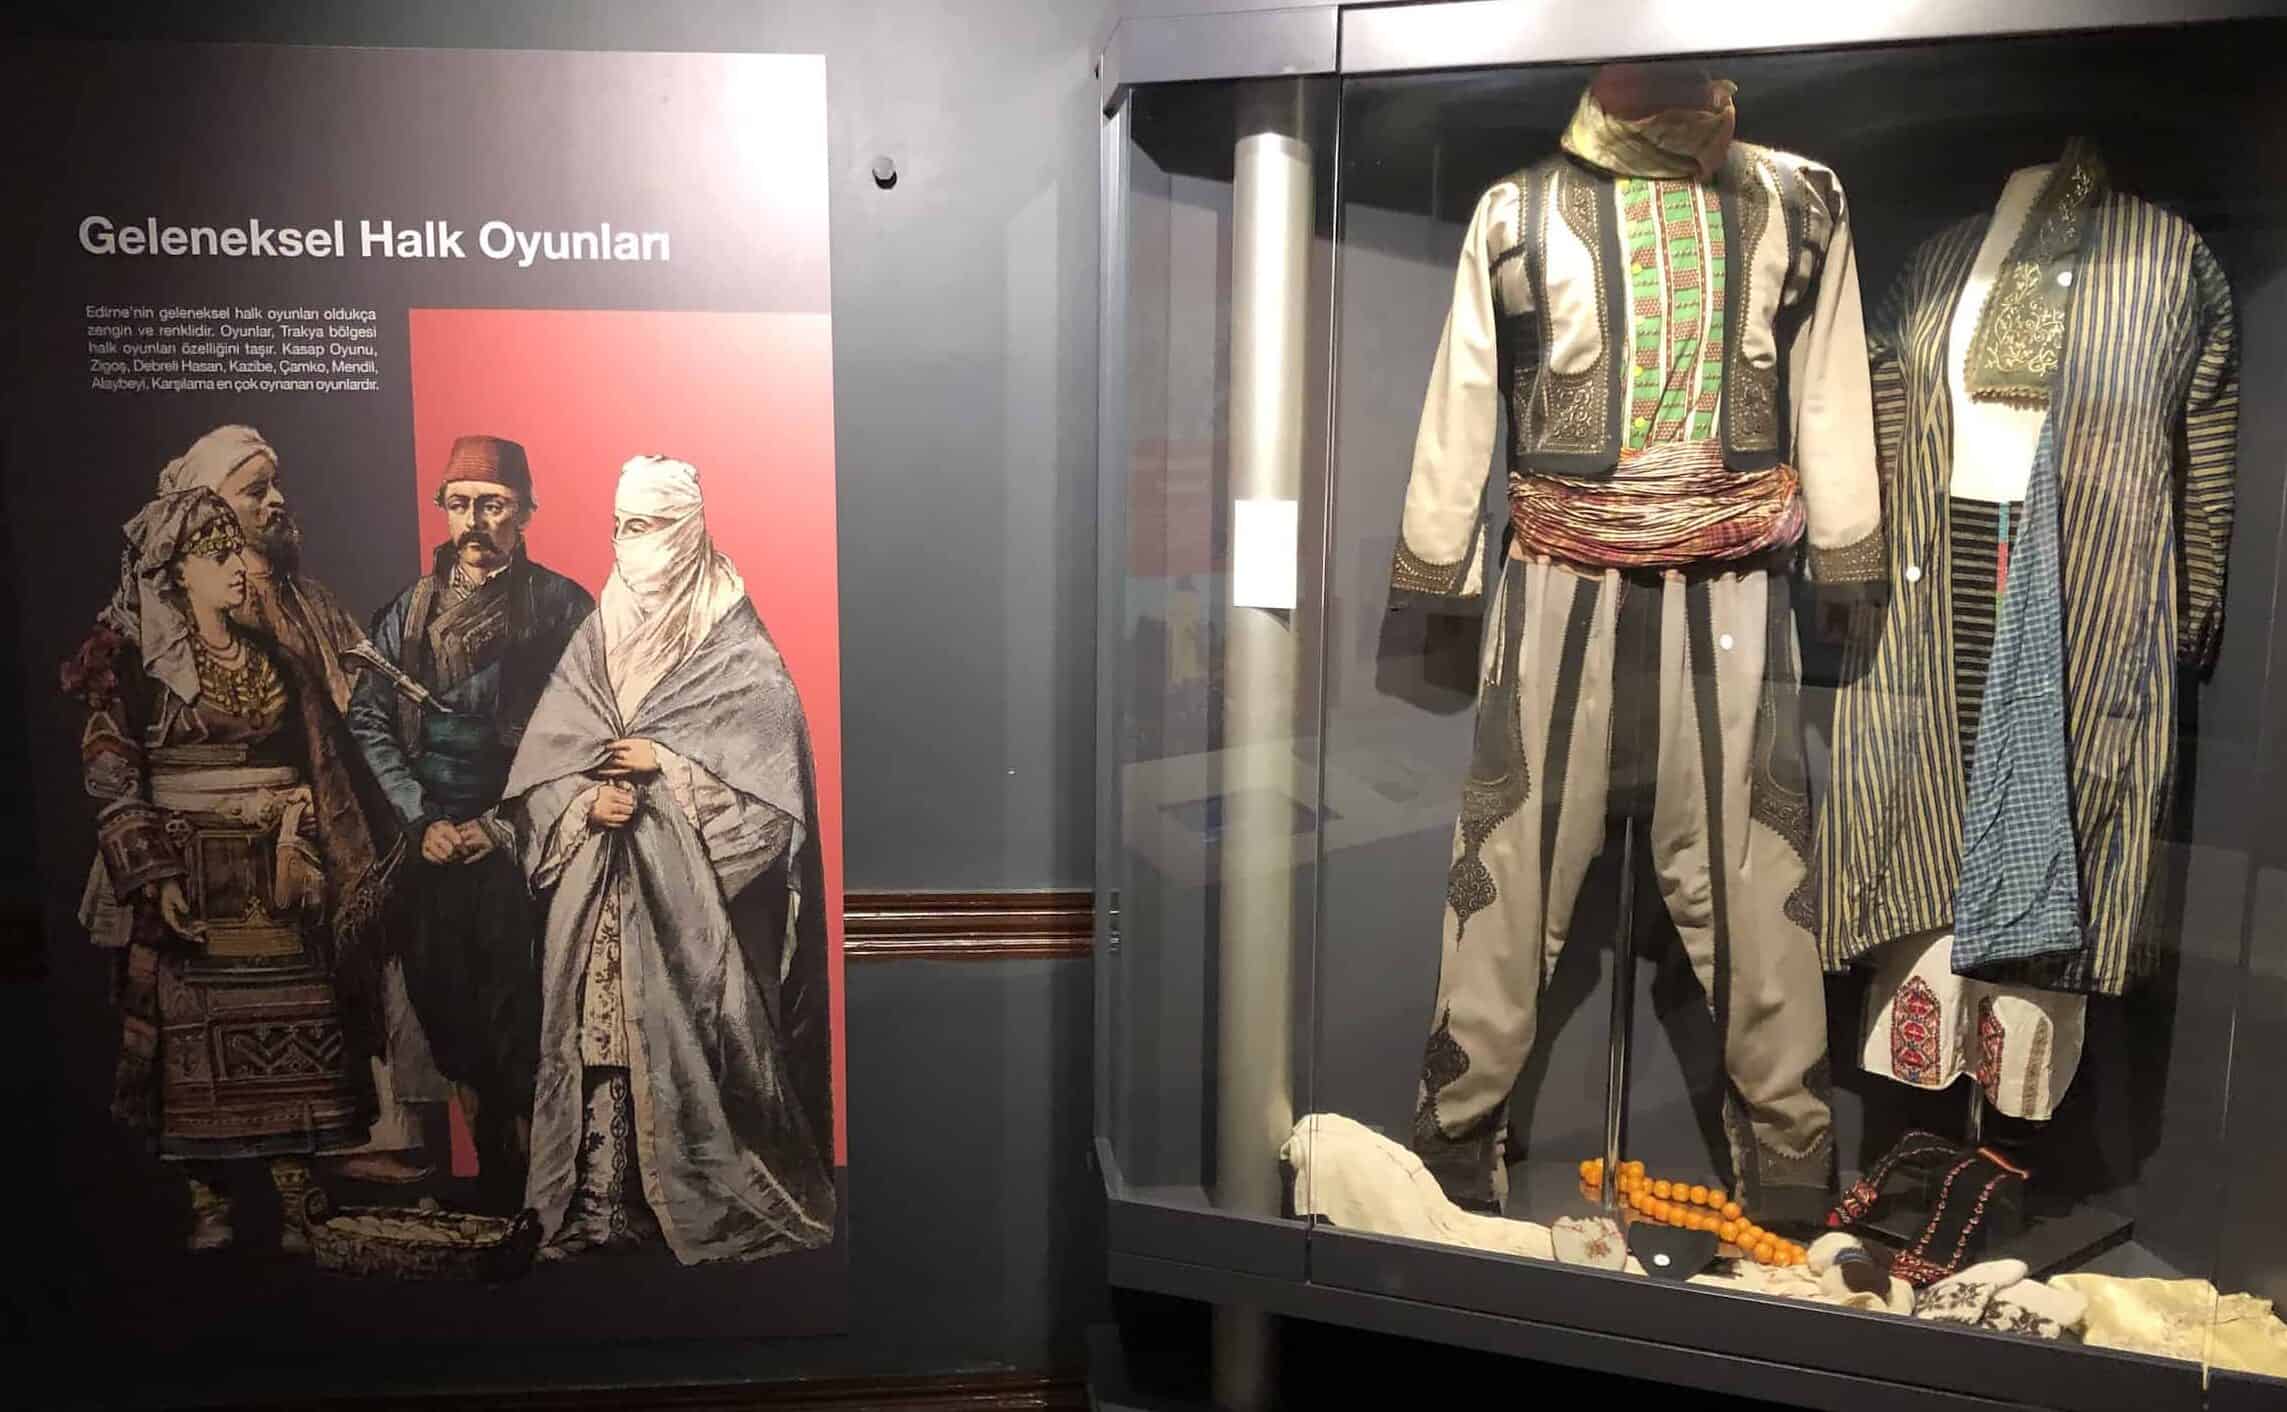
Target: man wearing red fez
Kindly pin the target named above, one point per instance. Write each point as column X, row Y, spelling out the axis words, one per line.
column 477, row 638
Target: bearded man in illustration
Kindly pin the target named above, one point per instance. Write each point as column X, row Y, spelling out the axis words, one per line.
column 666, row 810
column 473, row 642
column 239, row 864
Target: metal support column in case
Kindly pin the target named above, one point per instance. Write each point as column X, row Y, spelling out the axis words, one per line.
column 1623, row 1020
column 1270, row 299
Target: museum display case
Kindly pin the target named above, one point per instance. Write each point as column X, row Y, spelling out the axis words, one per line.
column 1689, row 774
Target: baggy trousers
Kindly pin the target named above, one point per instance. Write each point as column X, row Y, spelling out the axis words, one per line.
column 1673, row 695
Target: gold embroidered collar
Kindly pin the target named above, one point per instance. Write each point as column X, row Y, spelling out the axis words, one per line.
column 2020, row 335
column 1673, row 144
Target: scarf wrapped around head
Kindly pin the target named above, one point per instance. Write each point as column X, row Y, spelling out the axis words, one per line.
column 145, row 609
column 669, row 586
column 212, row 458
column 1675, row 144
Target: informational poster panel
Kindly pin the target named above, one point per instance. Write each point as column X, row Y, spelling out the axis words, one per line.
column 420, row 490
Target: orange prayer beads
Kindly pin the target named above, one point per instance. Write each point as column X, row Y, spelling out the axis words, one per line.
column 1694, row 1207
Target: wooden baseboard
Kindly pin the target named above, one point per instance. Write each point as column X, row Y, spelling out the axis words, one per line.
column 967, row 926
column 950, row 1392
column 877, row 926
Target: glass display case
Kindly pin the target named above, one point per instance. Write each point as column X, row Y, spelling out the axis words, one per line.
column 1690, row 779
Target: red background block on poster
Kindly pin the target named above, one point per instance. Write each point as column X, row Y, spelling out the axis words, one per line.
column 745, row 397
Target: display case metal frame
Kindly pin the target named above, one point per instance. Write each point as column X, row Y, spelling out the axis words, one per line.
column 1811, row 1355
column 1465, row 34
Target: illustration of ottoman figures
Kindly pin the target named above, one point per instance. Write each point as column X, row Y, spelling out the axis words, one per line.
column 666, row 808
column 241, row 866
column 478, row 635
column 294, row 610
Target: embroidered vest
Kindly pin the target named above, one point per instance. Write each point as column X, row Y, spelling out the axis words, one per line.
column 1568, row 422
column 448, row 642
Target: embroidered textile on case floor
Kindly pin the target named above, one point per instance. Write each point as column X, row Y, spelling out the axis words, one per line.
column 1927, row 1027
column 1963, row 1185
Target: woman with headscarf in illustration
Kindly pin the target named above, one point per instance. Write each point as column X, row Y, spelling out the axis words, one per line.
column 237, row 849
column 666, row 807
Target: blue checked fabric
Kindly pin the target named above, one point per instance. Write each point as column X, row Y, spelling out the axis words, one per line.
column 2020, row 894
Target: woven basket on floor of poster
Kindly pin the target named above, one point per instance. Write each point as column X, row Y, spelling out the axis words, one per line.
column 421, row 1243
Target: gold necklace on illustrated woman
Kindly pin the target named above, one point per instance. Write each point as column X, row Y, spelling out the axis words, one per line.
column 237, row 679
column 1695, row 1208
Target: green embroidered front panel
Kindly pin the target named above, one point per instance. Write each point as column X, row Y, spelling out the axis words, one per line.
column 1709, row 384
column 1673, row 234
column 1646, row 304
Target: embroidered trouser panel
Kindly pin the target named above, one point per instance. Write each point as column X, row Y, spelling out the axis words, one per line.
column 1706, row 750
column 607, row 1207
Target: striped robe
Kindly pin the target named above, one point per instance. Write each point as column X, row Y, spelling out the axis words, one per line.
column 2144, row 409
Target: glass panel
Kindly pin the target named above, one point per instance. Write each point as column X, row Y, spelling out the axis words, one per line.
column 1709, row 585
column 2251, row 1267
column 1214, row 732
column 1402, row 688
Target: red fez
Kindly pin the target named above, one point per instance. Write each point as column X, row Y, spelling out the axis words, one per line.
column 490, row 458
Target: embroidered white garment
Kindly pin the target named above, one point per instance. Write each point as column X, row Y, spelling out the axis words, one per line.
column 2187, row 1319
column 669, row 586
column 1964, row 1296
column 603, row 998
column 1596, row 1241
column 1997, row 1295
column 1788, row 1282
column 1828, row 1260
column 1993, row 442
column 1926, row 1026
column 1354, row 1177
